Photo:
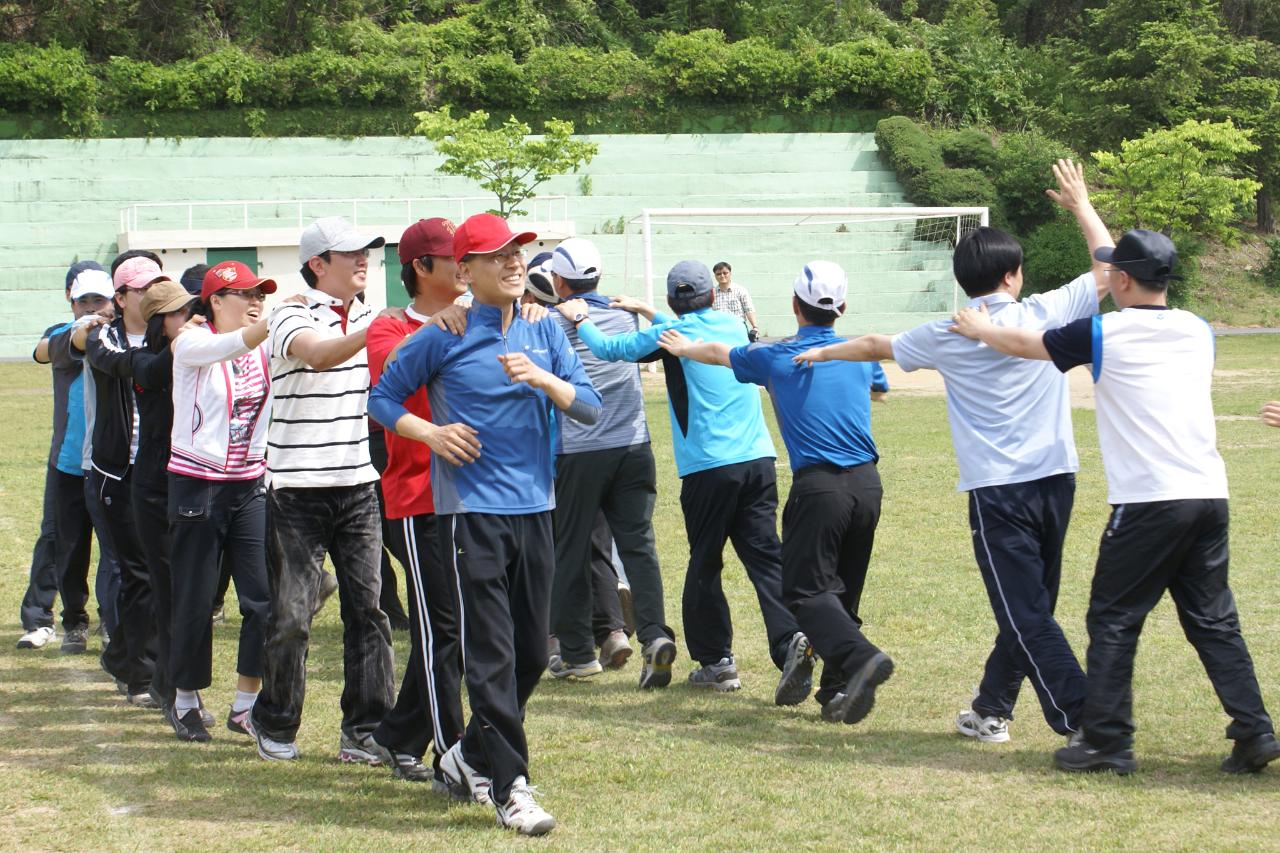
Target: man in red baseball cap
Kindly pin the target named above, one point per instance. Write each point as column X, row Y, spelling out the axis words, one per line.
column 485, row 233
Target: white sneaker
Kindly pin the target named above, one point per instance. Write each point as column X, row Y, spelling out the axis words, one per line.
column 985, row 729
column 464, row 782
column 521, row 811
column 37, row 639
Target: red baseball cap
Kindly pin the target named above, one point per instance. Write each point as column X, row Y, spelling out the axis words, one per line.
column 233, row 275
column 432, row 237
column 485, row 232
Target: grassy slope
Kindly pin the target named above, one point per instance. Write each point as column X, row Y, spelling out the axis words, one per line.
column 679, row 768
column 1231, row 292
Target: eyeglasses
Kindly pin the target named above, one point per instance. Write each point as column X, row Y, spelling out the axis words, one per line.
column 502, row 258
column 252, row 294
column 354, row 255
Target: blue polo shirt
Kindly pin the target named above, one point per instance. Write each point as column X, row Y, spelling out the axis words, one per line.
column 824, row 411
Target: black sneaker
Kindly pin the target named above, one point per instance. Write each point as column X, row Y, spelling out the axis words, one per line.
column 75, row 640
column 797, row 672
column 1081, row 757
column 859, row 695
column 409, row 767
column 1251, row 755
column 188, row 725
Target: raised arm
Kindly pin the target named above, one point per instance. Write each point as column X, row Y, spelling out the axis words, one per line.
column 1271, row 414
column 40, row 355
column 705, row 352
column 976, row 323
column 865, row 348
column 1073, row 195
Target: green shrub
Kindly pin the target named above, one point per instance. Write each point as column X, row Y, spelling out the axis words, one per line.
column 909, row 150
column 1053, row 254
column 956, row 188
column 44, row 79
column 969, row 148
column 1270, row 271
column 490, row 79
column 1023, row 172
column 694, row 65
column 867, row 71
column 567, row 75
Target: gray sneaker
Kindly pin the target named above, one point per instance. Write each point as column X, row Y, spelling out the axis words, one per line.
column 616, row 651
column 562, row 669
column 361, row 750
column 797, row 672
column 655, row 671
column 272, row 750
column 721, row 677
column 76, row 640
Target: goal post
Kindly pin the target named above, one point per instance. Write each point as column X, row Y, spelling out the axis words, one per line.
column 898, row 259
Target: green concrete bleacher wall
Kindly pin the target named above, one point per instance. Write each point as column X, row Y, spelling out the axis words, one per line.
column 60, row 201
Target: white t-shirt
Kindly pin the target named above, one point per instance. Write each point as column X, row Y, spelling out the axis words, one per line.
column 135, row 342
column 1010, row 417
column 319, row 436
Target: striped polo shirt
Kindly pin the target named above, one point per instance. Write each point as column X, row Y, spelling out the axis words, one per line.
column 319, row 436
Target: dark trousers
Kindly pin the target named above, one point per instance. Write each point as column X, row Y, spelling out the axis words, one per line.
column 828, row 528
column 1018, row 531
column 72, row 550
column 37, row 603
column 131, row 656
column 302, row 526
column 621, row 483
column 390, row 599
column 151, row 515
column 503, row 565
column 1147, row 548
column 606, row 609
column 429, row 707
column 739, row 503
column 106, row 582
column 216, row 523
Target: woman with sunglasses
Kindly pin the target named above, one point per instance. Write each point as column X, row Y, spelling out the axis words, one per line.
column 217, row 503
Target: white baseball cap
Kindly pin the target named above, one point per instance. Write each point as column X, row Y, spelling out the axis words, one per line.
column 576, row 259
column 822, row 284
column 333, row 234
column 92, row 283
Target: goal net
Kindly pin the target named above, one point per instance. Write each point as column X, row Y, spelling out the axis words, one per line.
column 898, row 259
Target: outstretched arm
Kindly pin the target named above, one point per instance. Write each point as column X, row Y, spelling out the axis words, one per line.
column 706, row 352
column 1073, row 195
column 865, row 348
column 975, row 323
column 1271, row 414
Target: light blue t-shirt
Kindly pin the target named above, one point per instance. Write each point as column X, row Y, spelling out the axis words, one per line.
column 1010, row 417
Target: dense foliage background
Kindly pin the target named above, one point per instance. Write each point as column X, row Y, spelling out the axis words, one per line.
column 987, row 90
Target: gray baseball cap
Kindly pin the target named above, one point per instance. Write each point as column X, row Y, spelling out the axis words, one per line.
column 336, row 234
column 689, row 278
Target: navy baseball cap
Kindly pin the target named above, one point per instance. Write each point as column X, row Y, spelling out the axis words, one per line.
column 689, row 278
column 1145, row 255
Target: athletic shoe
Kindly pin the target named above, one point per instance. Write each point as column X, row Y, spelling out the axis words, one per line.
column 204, row 712
column 408, row 767
column 1075, row 738
column 521, row 811
column 37, row 638
column 328, row 586
column 628, row 606
column 240, row 722
column 1083, row 758
column 721, row 677
column 616, row 650
column 272, row 750
column 553, row 647
column 1251, row 755
column 464, row 782
column 655, row 670
column 219, row 615
column 797, row 672
column 986, row 729
column 76, row 640
column 859, row 694
column 560, row 668
column 147, row 700
column 187, row 725
column 361, row 750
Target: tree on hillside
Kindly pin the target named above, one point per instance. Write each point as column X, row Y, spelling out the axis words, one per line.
column 1182, row 181
column 504, row 160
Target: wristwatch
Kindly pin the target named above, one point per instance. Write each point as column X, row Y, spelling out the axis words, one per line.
column 579, row 317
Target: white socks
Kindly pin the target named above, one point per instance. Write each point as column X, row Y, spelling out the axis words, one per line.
column 243, row 701
column 185, row 700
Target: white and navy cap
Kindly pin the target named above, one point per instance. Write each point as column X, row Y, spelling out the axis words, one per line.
column 538, row 279
column 576, row 259
column 822, row 284
column 92, row 282
column 333, row 234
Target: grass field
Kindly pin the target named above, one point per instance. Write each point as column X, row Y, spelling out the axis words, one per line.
column 678, row 768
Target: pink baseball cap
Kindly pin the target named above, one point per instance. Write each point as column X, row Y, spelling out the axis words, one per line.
column 138, row 272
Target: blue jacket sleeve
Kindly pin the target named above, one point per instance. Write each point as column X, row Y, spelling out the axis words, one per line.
column 879, row 382
column 412, row 367
column 631, row 346
column 586, row 405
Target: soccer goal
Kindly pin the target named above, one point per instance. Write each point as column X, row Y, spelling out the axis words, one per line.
column 898, row 259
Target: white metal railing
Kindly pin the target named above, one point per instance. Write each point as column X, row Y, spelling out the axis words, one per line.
column 179, row 216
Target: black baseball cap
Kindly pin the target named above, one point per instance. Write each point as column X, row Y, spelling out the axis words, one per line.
column 1145, row 255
